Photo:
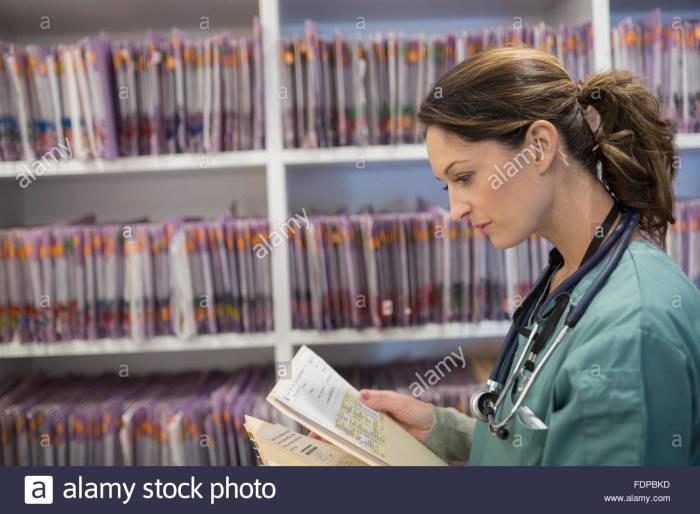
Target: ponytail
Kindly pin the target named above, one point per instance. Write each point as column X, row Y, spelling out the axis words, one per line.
column 635, row 148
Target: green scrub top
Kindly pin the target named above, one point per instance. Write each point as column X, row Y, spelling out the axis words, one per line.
column 622, row 388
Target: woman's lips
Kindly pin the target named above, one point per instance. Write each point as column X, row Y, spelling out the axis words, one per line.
column 484, row 227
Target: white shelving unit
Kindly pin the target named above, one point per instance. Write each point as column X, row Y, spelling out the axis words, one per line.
column 432, row 331
column 688, row 141
column 269, row 186
column 355, row 154
column 157, row 163
column 128, row 346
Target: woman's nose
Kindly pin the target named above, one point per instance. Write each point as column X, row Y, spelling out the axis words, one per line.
column 459, row 209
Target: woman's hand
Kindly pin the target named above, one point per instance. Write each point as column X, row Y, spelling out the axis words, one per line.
column 414, row 415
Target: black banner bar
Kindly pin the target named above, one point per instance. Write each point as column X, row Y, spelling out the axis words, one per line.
column 352, row 490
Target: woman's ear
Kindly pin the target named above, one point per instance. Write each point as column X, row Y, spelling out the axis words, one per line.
column 541, row 142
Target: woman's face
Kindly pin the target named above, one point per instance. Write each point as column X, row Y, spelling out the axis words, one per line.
column 501, row 191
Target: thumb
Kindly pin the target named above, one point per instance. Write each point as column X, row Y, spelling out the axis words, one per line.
column 380, row 399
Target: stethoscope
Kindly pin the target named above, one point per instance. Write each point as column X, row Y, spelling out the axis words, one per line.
column 484, row 404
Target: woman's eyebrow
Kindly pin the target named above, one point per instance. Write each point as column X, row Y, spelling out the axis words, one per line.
column 449, row 166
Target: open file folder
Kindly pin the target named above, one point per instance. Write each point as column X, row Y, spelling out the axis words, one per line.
column 318, row 398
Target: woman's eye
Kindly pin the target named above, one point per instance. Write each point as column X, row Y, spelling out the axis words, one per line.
column 461, row 179
column 464, row 178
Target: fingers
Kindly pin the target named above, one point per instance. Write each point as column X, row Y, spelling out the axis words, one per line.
column 381, row 399
column 414, row 415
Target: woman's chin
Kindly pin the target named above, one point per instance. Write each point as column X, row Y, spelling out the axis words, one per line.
column 501, row 243
column 497, row 243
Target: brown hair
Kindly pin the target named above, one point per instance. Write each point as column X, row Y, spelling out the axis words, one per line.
column 496, row 94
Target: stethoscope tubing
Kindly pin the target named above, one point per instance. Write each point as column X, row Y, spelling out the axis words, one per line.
column 576, row 313
column 526, row 350
column 500, row 371
column 622, row 234
column 521, row 397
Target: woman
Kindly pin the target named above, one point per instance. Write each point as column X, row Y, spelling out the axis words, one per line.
column 517, row 145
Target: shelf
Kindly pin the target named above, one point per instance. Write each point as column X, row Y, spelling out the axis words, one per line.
column 428, row 332
column 296, row 11
column 126, row 346
column 144, row 163
column 250, row 159
column 398, row 153
column 454, row 331
column 355, row 154
column 688, row 141
column 21, row 19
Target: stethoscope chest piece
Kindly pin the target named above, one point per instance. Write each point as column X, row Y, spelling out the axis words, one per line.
column 478, row 403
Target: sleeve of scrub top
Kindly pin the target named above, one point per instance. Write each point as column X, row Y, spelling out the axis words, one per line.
column 622, row 398
column 450, row 437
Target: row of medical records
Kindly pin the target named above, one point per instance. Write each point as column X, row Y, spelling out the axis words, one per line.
column 140, row 280
column 400, row 269
column 105, row 97
column 407, row 269
column 683, row 238
column 344, row 91
column 667, row 56
column 181, row 419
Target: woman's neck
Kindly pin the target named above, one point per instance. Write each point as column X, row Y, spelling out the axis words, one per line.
column 575, row 217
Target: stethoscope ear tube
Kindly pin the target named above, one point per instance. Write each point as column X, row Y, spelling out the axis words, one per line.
column 630, row 221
